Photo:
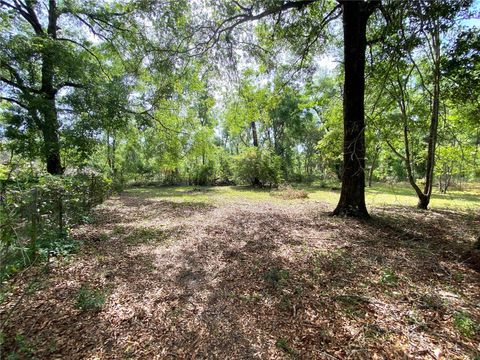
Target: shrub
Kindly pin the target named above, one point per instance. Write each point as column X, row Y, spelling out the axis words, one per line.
column 389, row 277
column 36, row 214
column 283, row 345
column 204, row 174
column 276, row 276
column 465, row 324
column 171, row 177
column 225, row 175
column 258, row 168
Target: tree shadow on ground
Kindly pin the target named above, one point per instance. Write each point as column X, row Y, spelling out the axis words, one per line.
column 169, row 192
column 260, row 282
column 133, row 209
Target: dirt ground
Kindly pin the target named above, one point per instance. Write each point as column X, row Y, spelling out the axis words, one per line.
column 252, row 279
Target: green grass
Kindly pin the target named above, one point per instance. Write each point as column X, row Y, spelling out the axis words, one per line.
column 88, row 298
column 376, row 196
column 464, row 324
column 404, row 195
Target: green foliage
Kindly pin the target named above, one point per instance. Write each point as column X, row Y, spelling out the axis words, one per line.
column 24, row 349
column 282, row 344
column 389, row 277
column 464, row 324
column 225, row 173
column 37, row 213
column 257, row 167
column 276, row 276
column 354, row 305
column 204, row 174
column 133, row 108
column 88, row 299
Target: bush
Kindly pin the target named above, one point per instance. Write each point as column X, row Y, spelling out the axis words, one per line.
column 464, row 324
column 258, row 168
column 204, row 174
column 171, row 177
column 36, row 214
column 225, row 174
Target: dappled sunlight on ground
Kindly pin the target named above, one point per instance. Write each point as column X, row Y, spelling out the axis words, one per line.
column 237, row 273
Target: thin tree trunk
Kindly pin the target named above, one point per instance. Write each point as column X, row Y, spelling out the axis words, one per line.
column 256, row 180
column 352, row 197
column 433, row 132
column 402, row 104
column 408, row 157
column 372, row 167
column 109, row 157
column 114, row 150
column 253, row 125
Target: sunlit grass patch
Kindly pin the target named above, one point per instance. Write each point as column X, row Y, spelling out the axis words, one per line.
column 402, row 194
column 379, row 195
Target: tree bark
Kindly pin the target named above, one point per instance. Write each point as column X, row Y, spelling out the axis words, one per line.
column 48, row 108
column 433, row 131
column 256, row 180
column 253, row 125
column 352, row 197
column 372, row 167
column 51, row 142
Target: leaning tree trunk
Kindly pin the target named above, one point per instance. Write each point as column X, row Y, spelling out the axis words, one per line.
column 433, row 131
column 352, row 197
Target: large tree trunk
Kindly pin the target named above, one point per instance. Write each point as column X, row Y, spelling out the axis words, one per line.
column 51, row 142
column 352, row 197
column 48, row 109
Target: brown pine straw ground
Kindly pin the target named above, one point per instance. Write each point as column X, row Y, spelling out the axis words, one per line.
column 253, row 279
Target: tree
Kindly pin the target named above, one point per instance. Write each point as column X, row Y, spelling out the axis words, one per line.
column 355, row 16
column 45, row 58
column 412, row 76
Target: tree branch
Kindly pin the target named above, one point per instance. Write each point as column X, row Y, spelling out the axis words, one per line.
column 87, row 50
column 26, row 11
column 227, row 25
column 69, row 84
column 14, row 101
column 395, row 150
column 19, row 86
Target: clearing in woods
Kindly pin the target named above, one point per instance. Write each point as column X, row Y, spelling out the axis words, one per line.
column 240, row 274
